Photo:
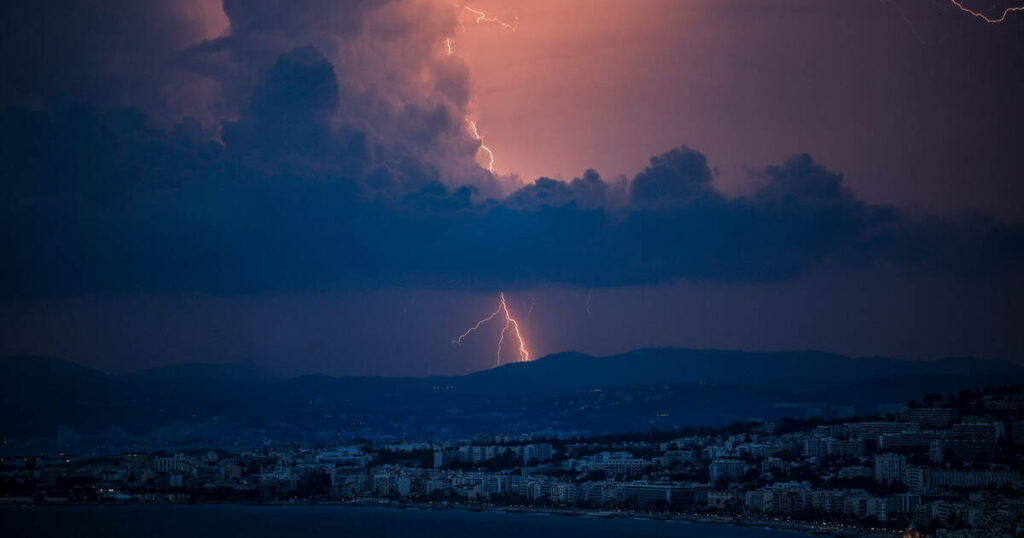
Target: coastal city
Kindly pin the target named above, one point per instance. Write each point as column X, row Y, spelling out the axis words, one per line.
column 944, row 465
column 512, row 268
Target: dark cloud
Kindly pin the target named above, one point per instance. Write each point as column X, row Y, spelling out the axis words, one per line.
column 587, row 192
column 109, row 53
column 287, row 124
column 333, row 171
column 677, row 176
column 407, row 100
column 127, row 208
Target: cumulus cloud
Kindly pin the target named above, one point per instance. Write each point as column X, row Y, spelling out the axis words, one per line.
column 395, row 84
column 678, row 176
column 335, row 157
column 587, row 192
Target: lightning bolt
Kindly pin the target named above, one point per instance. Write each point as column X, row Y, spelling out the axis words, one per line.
column 983, row 17
column 483, row 17
column 476, row 135
column 959, row 4
column 511, row 327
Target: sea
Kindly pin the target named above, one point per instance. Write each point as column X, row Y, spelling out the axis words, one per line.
column 322, row 521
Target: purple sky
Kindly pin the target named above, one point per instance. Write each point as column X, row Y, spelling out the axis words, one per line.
column 192, row 182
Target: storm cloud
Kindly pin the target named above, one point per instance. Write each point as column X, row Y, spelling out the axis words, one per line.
column 329, row 151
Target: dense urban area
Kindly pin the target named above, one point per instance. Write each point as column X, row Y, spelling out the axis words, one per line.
column 942, row 465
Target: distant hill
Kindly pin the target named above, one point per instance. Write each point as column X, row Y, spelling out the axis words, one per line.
column 647, row 388
column 804, row 370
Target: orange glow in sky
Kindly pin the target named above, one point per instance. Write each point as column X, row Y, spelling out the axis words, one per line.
column 544, row 90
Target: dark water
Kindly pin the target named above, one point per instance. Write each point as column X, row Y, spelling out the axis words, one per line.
column 338, row 522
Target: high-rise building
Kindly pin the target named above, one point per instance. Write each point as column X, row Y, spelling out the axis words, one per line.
column 444, row 457
column 727, row 469
column 833, row 447
column 890, row 468
column 874, row 430
column 929, row 417
column 989, row 432
column 537, row 452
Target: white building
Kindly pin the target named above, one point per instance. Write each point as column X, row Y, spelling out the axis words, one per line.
column 890, row 468
column 727, row 470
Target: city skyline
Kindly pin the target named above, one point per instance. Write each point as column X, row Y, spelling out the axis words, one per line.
column 436, row 268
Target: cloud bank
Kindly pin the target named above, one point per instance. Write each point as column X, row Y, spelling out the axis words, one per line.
column 322, row 144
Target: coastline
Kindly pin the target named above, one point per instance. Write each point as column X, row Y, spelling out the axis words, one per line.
column 807, row 528
column 813, row 529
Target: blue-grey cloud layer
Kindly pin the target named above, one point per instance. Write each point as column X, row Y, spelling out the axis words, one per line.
column 308, row 186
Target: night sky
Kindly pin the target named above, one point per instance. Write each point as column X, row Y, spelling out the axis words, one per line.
column 301, row 184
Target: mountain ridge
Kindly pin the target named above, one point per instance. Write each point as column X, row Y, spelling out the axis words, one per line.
column 38, row 394
column 249, row 370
